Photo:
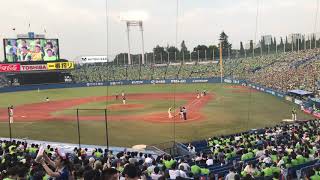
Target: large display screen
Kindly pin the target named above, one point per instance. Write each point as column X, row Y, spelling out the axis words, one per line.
column 24, row 50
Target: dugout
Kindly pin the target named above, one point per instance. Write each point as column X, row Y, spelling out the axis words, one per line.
column 313, row 103
column 299, row 95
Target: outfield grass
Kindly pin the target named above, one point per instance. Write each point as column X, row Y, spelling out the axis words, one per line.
column 227, row 113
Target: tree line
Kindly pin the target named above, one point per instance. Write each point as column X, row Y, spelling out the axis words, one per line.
column 172, row 54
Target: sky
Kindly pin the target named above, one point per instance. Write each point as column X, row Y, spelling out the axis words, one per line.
column 80, row 25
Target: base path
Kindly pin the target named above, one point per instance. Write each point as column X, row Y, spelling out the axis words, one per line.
column 44, row 111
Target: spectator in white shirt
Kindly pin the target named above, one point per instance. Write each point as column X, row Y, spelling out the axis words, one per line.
column 231, row 174
column 148, row 159
column 156, row 174
column 173, row 172
column 182, row 173
column 209, row 161
column 185, row 165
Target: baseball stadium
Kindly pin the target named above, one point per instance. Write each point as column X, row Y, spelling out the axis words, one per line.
column 219, row 109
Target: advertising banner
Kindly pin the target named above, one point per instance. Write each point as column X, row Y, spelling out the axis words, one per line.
column 38, row 67
column 60, row 65
column 9, row 67
column 93, row 59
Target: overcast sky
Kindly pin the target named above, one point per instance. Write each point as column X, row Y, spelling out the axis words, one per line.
column 80, row 25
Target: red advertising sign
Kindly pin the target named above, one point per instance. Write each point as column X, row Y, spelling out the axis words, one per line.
column 38, row 67
column 9, row 67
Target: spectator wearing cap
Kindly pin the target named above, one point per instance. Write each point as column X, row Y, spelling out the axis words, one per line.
column 37, row 54
column 60, row 165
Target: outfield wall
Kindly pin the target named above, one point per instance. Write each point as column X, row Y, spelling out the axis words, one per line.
column 158, row 81
column 108, row 83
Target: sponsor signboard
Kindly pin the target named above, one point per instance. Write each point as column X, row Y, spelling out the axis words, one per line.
column 38, row 67
column 158, row 82
column 9, row 67
column 95, row 84
column 200, row 80
column 178, row 81
column 137, row 82
column 227, row 81
column 113, row 83
column 60, row 65
column 93, row 59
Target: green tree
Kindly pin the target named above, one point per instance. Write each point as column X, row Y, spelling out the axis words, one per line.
column 213, row 49
column 184, row 51
column 173, row 54
column 159, row 53
column 225, row 43
column 202, row 49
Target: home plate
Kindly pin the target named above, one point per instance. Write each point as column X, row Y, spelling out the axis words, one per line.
column 23, row 116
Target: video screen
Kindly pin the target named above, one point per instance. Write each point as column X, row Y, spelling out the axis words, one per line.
column 24, row 50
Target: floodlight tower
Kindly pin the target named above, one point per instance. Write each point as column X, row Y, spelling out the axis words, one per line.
column 133, row 23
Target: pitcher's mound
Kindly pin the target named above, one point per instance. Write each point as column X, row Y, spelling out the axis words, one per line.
column 125, row 106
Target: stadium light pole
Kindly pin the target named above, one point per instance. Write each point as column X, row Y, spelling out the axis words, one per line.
column 316, row 24
column 221, row 63
column 183, row 56
column 284, row 46
column 205, row 54
column 260, row 48
column 175, row 56
column 198, row 55
column 304, row 42
column 128, row 36
column 117, row 60
column 253, row 50
column 190, row 56
column 291, row 43
column 276, row 47
column 142, row 39
column 299, row 43
column 130, row 23
column 213, row 53
column 310, row 41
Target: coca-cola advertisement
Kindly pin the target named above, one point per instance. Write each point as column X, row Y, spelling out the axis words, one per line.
column 9, row 67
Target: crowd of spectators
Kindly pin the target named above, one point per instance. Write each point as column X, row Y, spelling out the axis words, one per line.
column 103, row 72
column 255, row 154
column 282, row 71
